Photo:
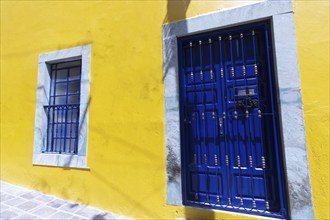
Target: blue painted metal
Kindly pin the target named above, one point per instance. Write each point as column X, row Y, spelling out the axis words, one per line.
column 63, row 108
column 230, row 133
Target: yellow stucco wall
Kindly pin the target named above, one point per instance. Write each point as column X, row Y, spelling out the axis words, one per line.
column 126, row 117
column 312, row 30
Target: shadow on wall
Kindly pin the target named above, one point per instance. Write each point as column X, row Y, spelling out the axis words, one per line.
column 176, row 11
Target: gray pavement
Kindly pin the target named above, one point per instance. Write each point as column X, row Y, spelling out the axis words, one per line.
column 22, row 203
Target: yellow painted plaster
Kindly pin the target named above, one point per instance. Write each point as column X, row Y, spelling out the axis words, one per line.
column 126, row 119
column 312, row 30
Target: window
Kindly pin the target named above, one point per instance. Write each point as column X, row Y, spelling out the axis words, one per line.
column 189, row 96
column 63, row 108
column 60, row 135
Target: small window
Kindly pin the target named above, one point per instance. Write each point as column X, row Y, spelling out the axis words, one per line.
column 60, row 134
column 63, row 108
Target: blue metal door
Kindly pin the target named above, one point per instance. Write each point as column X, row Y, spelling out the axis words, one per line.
column 229, row 122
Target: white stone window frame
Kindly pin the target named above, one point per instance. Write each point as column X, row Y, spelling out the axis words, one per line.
column 280, row 13
column 78, row 160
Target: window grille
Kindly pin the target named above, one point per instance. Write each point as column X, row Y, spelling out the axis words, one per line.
column 64, row 107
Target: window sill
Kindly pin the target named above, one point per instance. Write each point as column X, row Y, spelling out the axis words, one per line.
column 60, row 160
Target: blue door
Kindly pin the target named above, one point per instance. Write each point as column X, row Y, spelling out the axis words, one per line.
column 231, row 146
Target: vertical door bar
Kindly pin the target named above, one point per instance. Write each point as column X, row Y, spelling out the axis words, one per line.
column 247, row 124
column 262, row 144
column 235, row 121
column 204, row 119
column 183, row 114
column 216, row 156
column 279, row 168
column 195, row 122
column 233, row 145
column 223, row 101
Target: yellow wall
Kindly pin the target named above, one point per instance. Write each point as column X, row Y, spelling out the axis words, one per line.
column 126, row 119
column 312, row 30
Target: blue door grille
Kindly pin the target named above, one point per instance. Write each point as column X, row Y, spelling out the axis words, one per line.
column 229, row 122
column 63, row 108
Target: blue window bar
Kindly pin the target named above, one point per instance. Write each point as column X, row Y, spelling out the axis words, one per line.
column 63, row 108
column 231, row 147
